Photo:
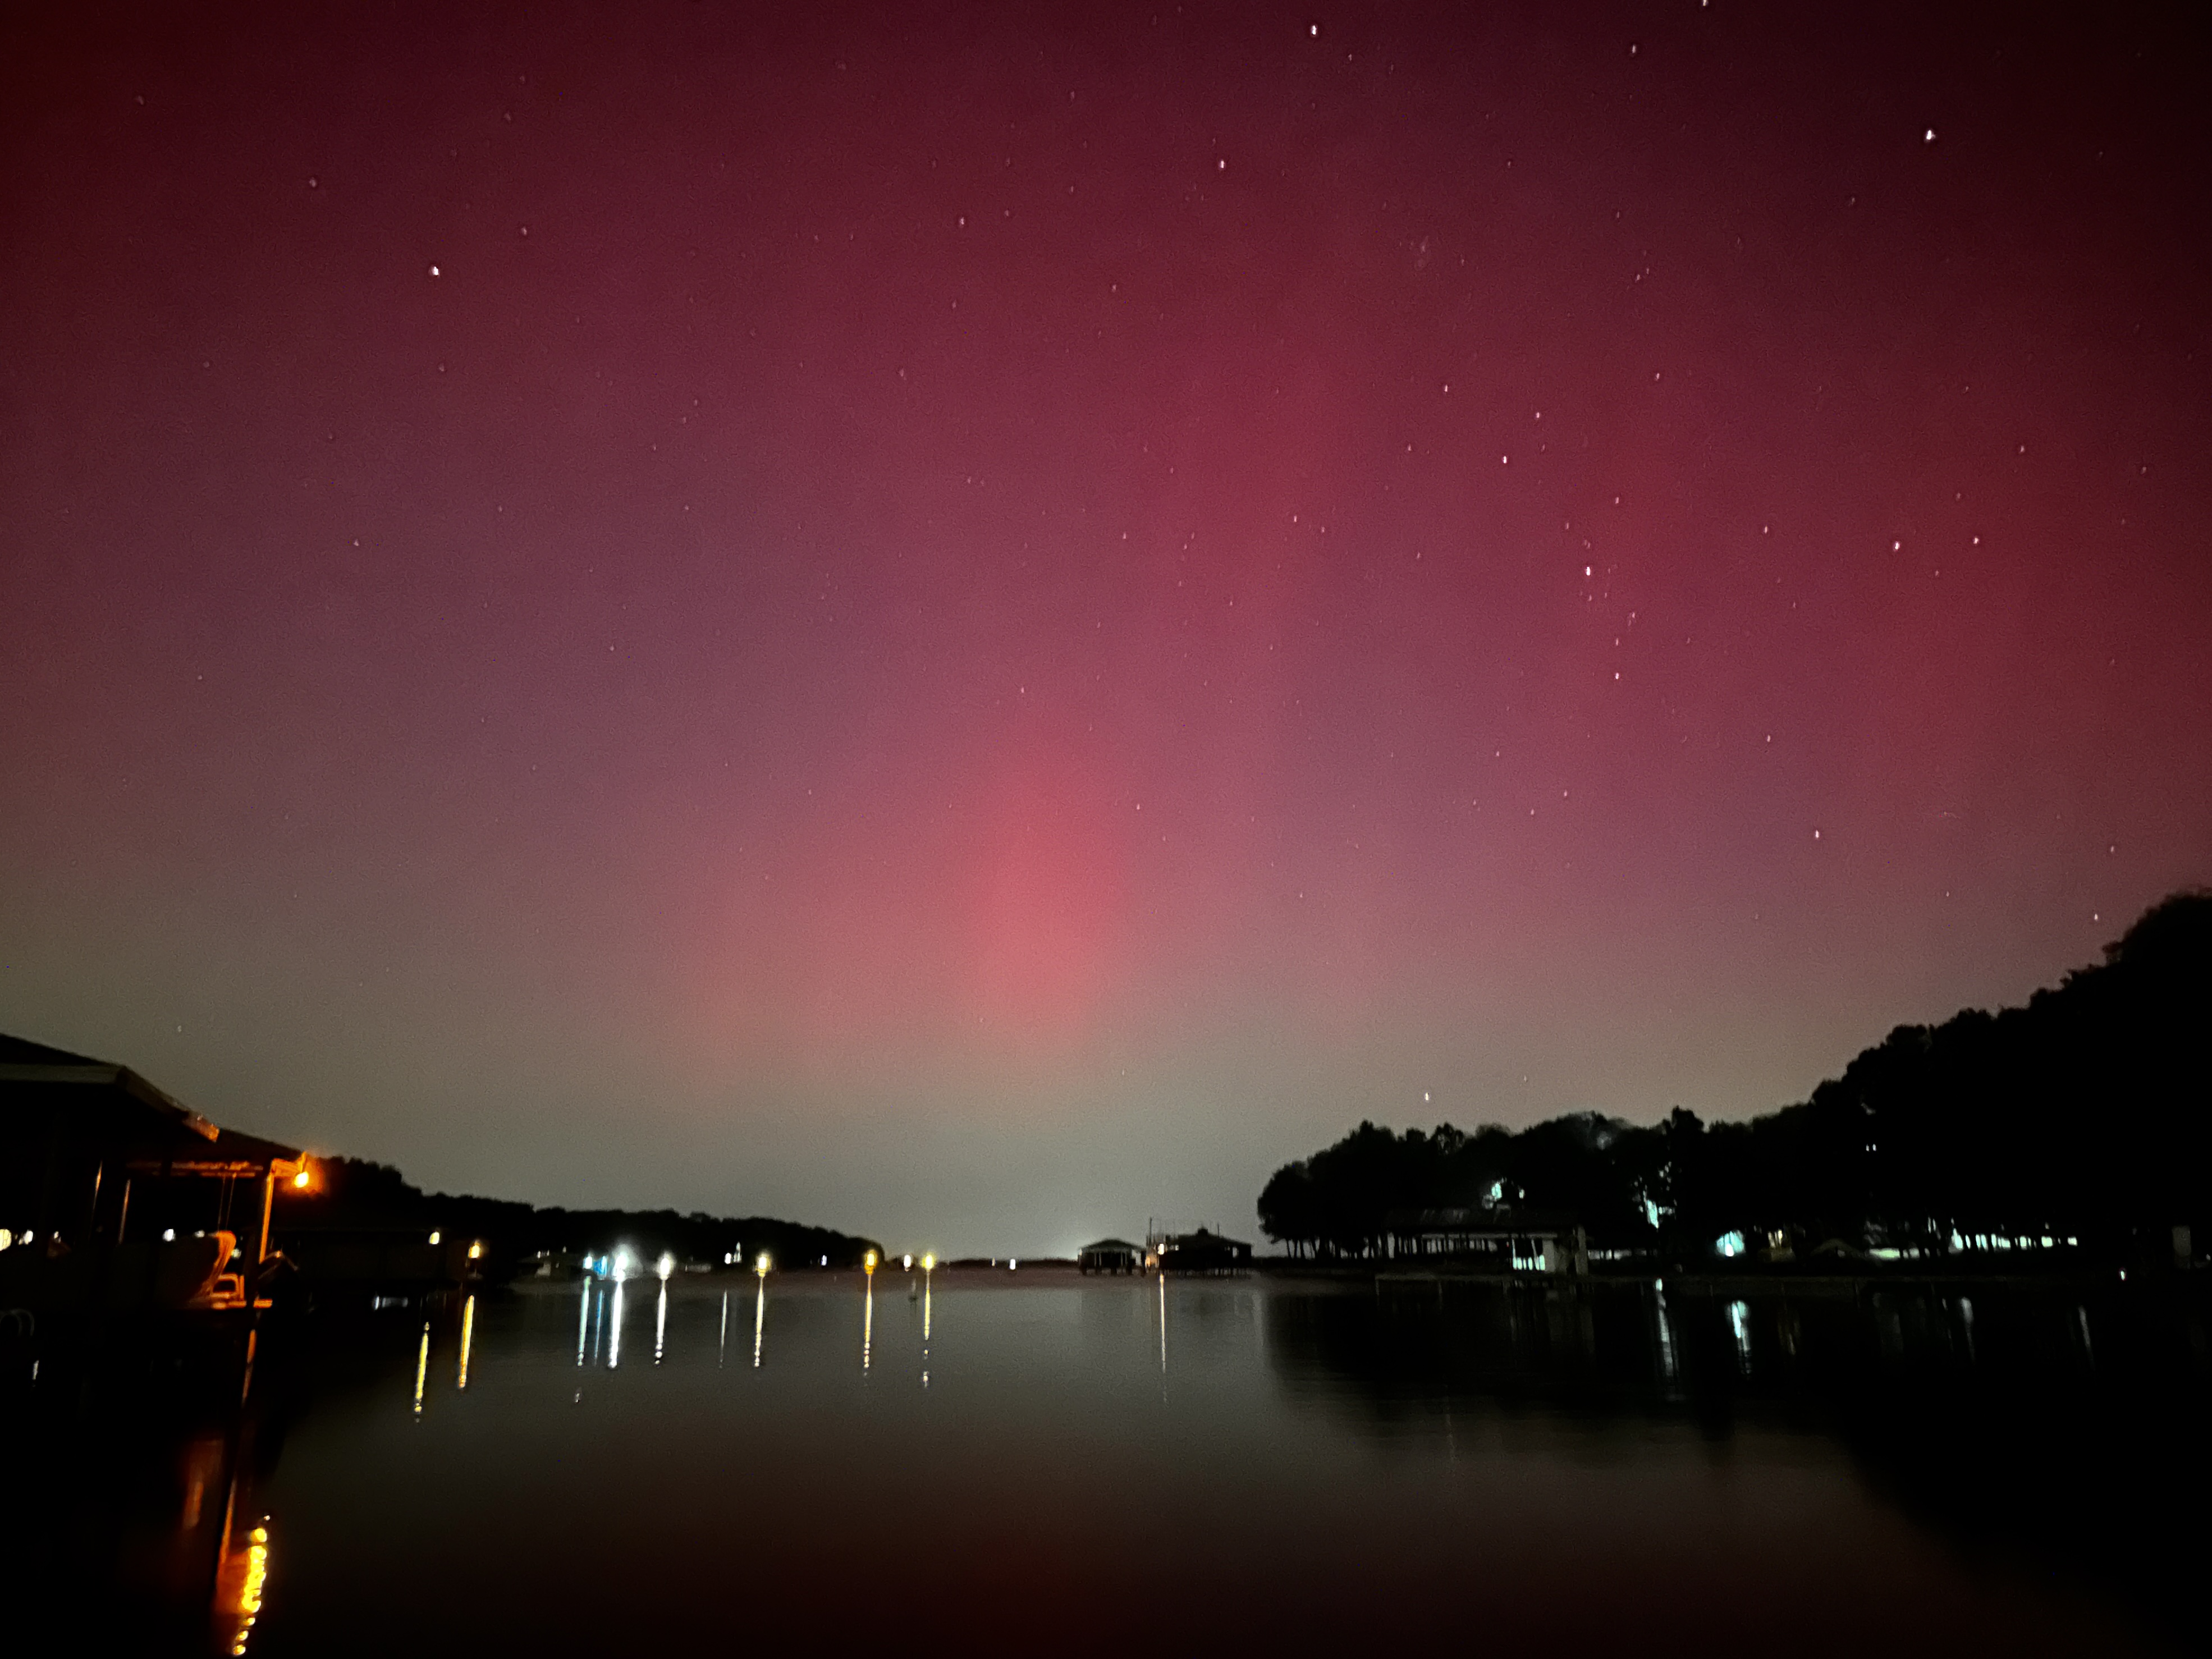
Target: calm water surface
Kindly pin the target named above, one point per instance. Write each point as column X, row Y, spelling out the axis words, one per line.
column 1035, row 1463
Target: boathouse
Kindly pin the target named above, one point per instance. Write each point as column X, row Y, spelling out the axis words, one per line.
column 1111, row 1255
column 1501, row 1240
column 1201, row 1253
column 114, row 1196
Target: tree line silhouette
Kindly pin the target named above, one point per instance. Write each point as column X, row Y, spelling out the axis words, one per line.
column 2085, row 1115
column 354, row 1196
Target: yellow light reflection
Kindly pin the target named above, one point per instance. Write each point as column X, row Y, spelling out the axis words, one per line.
column 760, row 1311
column 242, row 1582
column 468, row 1330
column 422, row 1367
column 868, row 1319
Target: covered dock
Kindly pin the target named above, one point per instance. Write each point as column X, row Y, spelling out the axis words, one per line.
column 1502, row 1240
column 116, row 1197
column 1204, row 1252
column 1111, row 1255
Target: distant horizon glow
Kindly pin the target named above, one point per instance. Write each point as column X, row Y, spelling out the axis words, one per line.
column 971, row 626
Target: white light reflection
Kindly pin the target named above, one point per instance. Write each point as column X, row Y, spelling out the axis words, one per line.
column 868, row 1321
column 759, row 1317
column 583, row 1320
column 422, row 1367
column 660, row 1324
column 468, row 1330
column 722, row 1352
column 1666, row 1366
column 1740, row 1327
column 614, row 1328
column 1163, row 1322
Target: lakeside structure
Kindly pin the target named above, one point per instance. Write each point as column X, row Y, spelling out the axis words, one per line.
column 1202, row 1252
column 1503, row 1240
column 116, row 1198
column 1110, row 1255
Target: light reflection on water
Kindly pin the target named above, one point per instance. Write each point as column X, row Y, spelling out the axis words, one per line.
column 1336, row 1468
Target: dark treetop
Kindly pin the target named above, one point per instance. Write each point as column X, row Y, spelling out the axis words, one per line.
column 2083, row 1114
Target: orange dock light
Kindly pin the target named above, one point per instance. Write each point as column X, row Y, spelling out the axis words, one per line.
column 868, row 1264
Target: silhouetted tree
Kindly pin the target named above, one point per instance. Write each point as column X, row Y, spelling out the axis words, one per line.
column 2087, row 1114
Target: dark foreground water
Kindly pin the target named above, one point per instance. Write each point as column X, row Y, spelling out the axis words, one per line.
column 1041, row 1464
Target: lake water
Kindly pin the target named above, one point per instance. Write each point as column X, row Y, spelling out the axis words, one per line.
column 1034, row 1463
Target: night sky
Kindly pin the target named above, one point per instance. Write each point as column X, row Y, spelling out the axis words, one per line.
column 979, row 623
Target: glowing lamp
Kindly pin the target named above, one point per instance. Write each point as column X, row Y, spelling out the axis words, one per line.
column 929, row 1264
column 868, row 1263
column 476, row 1251
column 437, row 1238
column 664, row 1267
column 303, row 1179
column 759, row 1267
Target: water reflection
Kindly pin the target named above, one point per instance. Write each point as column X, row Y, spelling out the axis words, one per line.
column 722, row 1342
column 1337, row 1471
column 1163, row 1324
column 240, row 1583
column 613, row 1326
column 760, row 1312
column 660, row 1323
column 583, row 1321
column 868, row 1320
column 135, row 1468
column 468, row 1330
column 1996, row 1418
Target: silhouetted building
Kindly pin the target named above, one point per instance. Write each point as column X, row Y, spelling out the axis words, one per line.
column 1201, row 1252
column 1111, row 1255
column 1505, row 1240
column 114, row 1196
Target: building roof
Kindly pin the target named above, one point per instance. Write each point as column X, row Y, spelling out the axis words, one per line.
column 1111, row 1245
column 166, row 1132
